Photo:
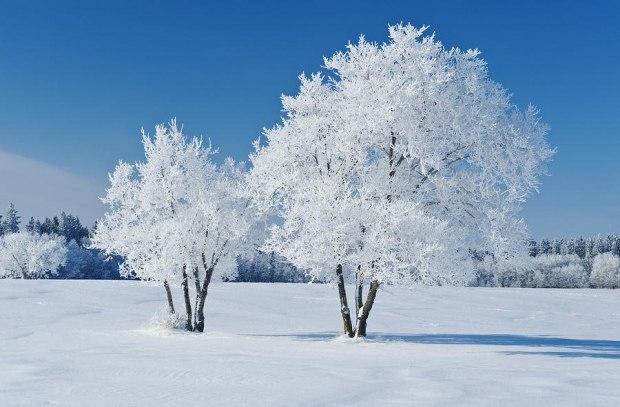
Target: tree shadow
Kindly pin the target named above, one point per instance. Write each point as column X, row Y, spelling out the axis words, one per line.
column 592, row 348
column 594, row 355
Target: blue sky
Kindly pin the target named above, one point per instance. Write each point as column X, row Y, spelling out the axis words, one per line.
column 79, row 79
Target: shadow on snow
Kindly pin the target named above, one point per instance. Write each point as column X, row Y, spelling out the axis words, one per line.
column 579, row 348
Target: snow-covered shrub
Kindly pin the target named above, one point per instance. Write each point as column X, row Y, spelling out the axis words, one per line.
column 544, row 271
column 573, row 275
column 605, row 271
column 512, row 275
column 166, row 320
column 28, row 255
column 560, row 271
column 483, row 274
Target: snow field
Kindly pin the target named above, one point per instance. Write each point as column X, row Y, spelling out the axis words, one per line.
column 77, row 343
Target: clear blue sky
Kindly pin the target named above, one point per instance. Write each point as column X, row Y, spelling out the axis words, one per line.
column 79, row 79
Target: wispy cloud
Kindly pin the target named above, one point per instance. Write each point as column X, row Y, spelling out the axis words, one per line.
column 39, row 189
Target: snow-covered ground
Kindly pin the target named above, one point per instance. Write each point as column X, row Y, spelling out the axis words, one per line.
column 91, row 343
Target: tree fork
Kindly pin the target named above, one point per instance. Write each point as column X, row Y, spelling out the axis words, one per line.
column 363, row 317
column 169, row 297
column 200, row 316
column 344, row 306
column 188, row 304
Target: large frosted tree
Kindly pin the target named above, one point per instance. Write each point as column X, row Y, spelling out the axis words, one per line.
column 176, row 218
column 394, row 166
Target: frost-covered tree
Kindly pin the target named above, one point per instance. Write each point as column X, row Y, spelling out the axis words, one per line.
column 10, row 221
column 176, row 218
column 391, row 169
column 27, row 255
column 605, row 271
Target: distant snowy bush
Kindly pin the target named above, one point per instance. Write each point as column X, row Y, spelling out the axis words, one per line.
column 543, row 271
column 560, row 271
column 605, row 271
column 572, row 275
column 28, row 255
column 507, row 275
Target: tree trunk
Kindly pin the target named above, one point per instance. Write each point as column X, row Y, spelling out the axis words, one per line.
column 188, row 305
column 169, row 296
column 344, row 307
column 363, row 316
column 200, row 316
column 196, row 279
column 197, row 282
column 359, row 291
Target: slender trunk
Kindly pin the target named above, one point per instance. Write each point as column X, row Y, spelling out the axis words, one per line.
column 363, row 316
column 188, row 305
column 197, row 282
column 359, row 291
column 196, row 279
column 344, row 307
column 169, row 296
column 200, row 316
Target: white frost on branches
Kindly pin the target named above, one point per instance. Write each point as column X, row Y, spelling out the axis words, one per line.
column 606, row 271
column 174, row 209
column 28, row 255
column 399, row 162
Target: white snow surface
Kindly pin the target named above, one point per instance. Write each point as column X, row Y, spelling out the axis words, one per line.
column 91, row 343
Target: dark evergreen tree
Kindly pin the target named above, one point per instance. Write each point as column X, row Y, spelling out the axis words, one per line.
column 580, row 247
column 590, row 247
column 31, row 226
column 557, row 246
column 10, row 220
column 71, row 228
column 545, row 247
column 602, row 244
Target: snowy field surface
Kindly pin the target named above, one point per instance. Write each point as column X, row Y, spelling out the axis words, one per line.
column 92, row 343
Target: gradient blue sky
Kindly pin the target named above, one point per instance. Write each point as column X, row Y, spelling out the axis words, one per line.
column 79, row 79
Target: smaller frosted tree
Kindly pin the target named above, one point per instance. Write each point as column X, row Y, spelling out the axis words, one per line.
column 176, row 218
column 27, row 256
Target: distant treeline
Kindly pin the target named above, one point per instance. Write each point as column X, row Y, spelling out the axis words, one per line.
column 82, row 262
column 583, row 248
